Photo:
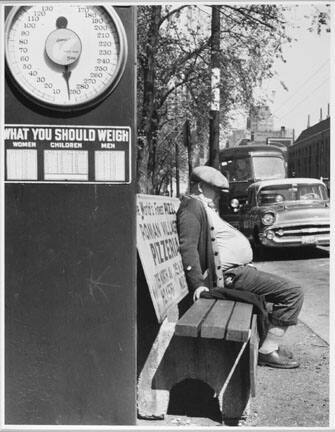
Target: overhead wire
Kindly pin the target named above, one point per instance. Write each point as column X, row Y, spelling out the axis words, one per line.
column 302, row 85
column 303, row 100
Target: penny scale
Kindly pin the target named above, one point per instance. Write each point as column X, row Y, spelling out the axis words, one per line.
column 69, row 214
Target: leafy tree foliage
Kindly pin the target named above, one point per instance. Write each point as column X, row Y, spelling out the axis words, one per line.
column 174, row 76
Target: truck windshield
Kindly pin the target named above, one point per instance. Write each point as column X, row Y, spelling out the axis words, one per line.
column 253, row 168
column 268, row 167
column 238, row 169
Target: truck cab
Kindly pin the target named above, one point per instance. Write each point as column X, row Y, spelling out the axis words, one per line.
column 244, row 165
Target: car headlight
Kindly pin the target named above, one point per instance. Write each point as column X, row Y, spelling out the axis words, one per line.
column 234, row 203
column 270, row 235
column 268, row 218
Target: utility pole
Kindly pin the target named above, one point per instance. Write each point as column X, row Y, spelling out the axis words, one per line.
column 176, row 144
column 187, row 127
column 214, row 115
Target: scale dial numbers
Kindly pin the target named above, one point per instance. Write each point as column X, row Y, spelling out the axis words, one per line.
column 64, row 56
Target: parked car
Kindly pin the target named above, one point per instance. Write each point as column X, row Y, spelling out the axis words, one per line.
column 287, row 212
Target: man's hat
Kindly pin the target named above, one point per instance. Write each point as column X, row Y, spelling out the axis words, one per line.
column 211, row 176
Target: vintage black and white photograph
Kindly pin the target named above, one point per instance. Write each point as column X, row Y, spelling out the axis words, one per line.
column 165, row 215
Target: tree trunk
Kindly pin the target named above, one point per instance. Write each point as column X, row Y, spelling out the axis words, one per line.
column 148, row 126
column 189, row 147
column 142, row 164
column 177, row 168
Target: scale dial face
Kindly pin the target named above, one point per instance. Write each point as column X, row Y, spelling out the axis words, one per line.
column 65, row 56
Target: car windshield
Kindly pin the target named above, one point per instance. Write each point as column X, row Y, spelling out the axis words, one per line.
column 291, row 192
column 267, row 168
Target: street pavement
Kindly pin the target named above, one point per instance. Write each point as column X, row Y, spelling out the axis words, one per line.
column 310, row 268
column 299, row 397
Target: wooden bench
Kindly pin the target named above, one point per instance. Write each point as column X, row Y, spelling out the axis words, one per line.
column 215, row 341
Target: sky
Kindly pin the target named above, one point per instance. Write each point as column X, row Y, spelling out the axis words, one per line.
column 306, row 75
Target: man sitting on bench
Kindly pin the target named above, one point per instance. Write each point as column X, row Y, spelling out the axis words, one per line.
column 215, row 254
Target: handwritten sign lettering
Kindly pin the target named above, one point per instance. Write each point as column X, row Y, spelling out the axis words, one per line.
column 158, row 247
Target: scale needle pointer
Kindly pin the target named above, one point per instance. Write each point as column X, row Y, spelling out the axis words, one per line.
column 66, row 75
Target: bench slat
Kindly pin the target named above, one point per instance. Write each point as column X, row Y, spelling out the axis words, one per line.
column 190, row 323
column 239, row 324
column 215, row 324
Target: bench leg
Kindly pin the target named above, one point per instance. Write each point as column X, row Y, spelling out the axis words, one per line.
column 153, row 402
column 253, row 350
column 234, row 399
column 174, row 359
column 243, row 385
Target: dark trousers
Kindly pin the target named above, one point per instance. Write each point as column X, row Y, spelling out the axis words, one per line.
column 287, row 296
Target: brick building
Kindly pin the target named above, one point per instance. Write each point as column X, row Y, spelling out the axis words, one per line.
column 310, row 154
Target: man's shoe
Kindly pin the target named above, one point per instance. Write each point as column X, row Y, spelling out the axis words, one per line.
column 277, row 360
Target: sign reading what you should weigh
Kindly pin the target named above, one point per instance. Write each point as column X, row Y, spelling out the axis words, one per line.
column 158, row 248
column 63, row 153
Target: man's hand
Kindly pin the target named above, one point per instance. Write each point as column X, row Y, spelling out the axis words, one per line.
column 198, row 291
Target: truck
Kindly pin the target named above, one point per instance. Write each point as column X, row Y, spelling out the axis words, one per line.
column 244, row 165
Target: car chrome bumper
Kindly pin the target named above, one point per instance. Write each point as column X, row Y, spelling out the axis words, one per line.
column 295, row 241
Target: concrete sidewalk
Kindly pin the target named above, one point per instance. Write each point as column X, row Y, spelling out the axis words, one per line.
column 285, row 398
column 297, row 397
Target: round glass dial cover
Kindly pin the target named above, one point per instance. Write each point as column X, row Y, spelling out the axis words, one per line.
column 65, row 56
